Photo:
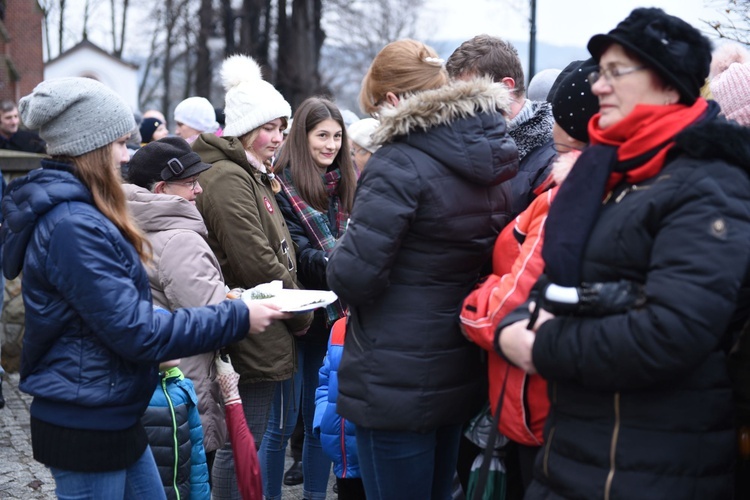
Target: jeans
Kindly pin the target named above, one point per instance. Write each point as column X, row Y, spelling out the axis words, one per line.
column 140, row 480
column 407, row 465
column 316, row 466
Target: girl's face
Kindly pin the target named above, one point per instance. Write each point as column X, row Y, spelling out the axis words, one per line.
column 120, row 151
column 269, row 139
column 324, row 142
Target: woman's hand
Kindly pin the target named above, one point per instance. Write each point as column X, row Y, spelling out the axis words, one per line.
column 543, row 316
column 262, row 314
column 516, row 342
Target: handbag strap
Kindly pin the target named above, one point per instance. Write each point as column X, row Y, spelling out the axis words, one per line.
column 484, row 471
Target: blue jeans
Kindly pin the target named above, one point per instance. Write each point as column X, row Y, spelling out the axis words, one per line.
column 140, row 480
column 407, row 465
column 316, row 466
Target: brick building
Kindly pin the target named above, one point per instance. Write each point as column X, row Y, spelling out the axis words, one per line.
column 21, row 57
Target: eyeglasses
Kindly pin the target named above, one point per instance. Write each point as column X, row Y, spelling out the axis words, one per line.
column 189, row 184
column 612, row 73
column 357, row 151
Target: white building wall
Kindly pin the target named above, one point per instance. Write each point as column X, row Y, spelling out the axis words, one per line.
column 90, row 63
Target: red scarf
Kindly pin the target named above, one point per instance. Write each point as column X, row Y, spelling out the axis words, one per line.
column 646, row 128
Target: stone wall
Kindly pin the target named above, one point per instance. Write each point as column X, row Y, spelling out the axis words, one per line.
column 14, row 164
column 12, row 325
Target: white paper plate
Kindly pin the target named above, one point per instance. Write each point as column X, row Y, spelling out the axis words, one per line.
column 291, row 300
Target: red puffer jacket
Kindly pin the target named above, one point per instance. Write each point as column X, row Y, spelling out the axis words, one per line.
column 517, row 264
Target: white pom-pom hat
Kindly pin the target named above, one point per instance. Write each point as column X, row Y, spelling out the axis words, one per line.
column 250, row 100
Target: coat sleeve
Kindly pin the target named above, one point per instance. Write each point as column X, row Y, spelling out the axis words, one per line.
column 693, row 279
column 384, row 208
column 188, row 272
column 233, row 215
column 90, row 268
column 235, row 220
column 311, row 261
column 321, row 393
column 498, row 296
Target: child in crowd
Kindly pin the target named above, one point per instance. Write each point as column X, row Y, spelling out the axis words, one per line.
column 175, row 435
column 336, row 434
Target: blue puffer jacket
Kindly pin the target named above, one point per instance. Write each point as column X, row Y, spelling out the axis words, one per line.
column 336, row 434
column 175, row 436
column 92, row 341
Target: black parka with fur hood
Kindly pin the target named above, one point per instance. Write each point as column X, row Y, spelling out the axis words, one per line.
column 427, row 211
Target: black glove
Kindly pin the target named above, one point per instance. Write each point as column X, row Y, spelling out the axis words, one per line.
column 591, row 299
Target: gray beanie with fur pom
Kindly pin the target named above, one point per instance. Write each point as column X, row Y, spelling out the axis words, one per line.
column 76, row 115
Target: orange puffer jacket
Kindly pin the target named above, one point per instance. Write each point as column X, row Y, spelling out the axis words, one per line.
column 517, row 264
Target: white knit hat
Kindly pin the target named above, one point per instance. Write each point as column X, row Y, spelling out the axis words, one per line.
column 76, row 115
column 197, row 113
column 730, row 82
column 361, row 131
column 250, row 101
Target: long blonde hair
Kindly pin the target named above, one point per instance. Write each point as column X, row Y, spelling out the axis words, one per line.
column 97, row 172
column 401, row 67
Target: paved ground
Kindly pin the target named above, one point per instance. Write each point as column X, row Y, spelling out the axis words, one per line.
column 21, row 477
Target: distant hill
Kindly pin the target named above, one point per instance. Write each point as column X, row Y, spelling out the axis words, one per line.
column 547, row 55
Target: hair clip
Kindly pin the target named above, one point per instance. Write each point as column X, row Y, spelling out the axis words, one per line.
column 436, row 60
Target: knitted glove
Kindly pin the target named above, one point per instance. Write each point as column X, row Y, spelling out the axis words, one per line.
column 228, row 379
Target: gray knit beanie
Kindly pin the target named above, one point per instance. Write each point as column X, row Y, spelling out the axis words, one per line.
column 76, row 115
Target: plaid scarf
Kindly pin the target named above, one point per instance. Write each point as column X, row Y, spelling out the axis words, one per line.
column 317, row 224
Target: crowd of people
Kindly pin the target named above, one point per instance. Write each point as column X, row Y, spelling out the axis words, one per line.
column 570, row 269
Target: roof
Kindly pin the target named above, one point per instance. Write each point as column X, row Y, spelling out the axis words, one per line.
column 86, row 44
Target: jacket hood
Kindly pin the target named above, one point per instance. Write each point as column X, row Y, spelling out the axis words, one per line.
column 441, row 106
column 160, row 212
column 212, row 148
column 716, row 138
column 27, row 200
column 461, row 125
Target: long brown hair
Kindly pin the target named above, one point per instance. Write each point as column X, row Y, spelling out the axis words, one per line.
column 401, row 67
column 96, row 170
column 305, row 172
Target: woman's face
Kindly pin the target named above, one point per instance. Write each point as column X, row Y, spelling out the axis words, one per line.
column 160, row 133
column 188, row 188
column 324, row 142
column 360, row 155
column 619, row 95
column 120, row 152
column 269, row 139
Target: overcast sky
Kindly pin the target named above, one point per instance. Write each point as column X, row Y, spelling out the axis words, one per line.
column 561, row 22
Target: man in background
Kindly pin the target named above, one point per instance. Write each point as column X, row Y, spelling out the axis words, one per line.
column 11, row 136
column 529, row 122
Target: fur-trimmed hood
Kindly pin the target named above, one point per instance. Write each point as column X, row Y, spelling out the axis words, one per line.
column 460, row 125
column 430, row 108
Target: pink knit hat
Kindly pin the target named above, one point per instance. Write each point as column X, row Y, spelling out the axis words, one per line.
column 730, row 81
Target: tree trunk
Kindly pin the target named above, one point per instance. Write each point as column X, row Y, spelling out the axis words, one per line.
column 300, row 41
column 203, row 62
column 227, row 21
column 61, row 28
column 123, row 28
